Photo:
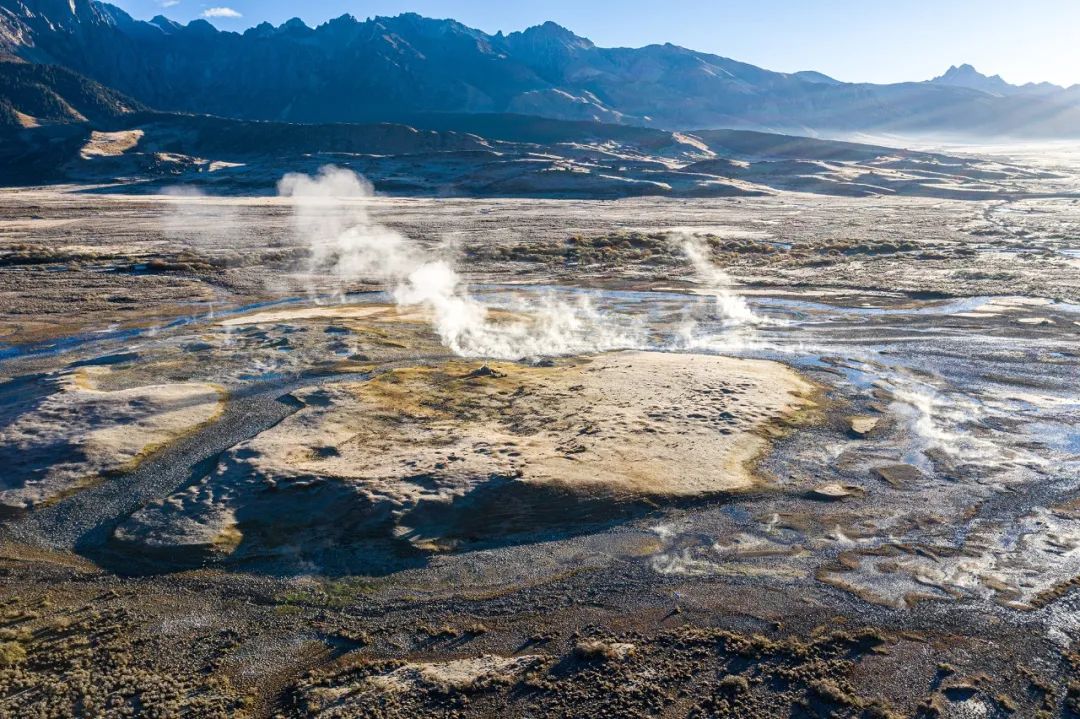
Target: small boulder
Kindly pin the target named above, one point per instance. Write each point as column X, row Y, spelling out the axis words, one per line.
column 862, row 425
column 834, row 491
column 898, row 475
column 485, row 371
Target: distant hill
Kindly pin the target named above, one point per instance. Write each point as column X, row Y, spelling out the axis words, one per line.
column 511, row 127
column 747, row 144
column 483, row 155
column 813, row 76
column 32, row 95
column 348, row 70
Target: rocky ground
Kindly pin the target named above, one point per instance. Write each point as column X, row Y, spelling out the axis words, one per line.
column 843, row 484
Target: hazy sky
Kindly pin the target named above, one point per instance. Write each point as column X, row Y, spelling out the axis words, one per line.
column 855, row 40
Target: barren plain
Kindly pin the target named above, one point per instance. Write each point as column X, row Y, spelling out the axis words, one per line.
column 780, row 455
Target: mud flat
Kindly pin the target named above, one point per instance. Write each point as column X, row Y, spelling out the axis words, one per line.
column 81, row 433
column 437, row 454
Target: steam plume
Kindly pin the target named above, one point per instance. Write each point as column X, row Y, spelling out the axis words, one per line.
column 730, row 307
column 330, row 213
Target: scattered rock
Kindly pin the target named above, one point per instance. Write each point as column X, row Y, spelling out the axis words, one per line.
column 862, row 425
column 898, row 475
column 834, row 491
column 485, row 371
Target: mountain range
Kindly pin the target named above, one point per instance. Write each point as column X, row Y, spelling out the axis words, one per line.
column 393, row 68
column 967, row 76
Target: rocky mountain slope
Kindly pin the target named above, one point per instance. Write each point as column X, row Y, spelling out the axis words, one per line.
column 31, row 95
column 347, row 70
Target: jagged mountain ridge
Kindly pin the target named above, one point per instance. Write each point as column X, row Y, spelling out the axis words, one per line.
column 347, row 70
column 967, row 76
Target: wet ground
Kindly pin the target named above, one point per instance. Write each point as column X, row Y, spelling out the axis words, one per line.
column 909, row 546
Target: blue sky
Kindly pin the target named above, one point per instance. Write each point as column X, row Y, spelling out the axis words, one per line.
column 868, row 40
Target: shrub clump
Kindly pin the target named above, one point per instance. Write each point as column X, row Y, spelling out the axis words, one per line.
column 594, row 650
column 11, row 653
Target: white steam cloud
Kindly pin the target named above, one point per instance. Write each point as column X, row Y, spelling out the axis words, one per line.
column 192, row 216
column 331, row 215
column 730, row 307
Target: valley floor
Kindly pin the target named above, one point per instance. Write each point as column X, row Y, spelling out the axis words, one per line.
column 829, row 468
